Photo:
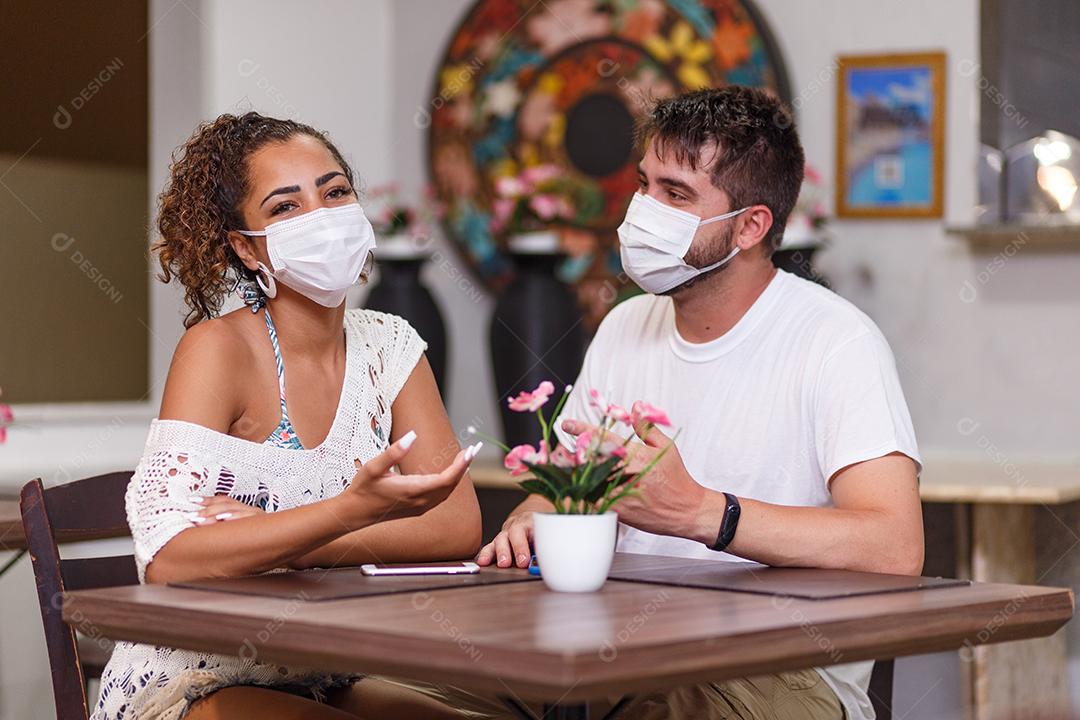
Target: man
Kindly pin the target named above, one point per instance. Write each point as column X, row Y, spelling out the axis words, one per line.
column 795, row 446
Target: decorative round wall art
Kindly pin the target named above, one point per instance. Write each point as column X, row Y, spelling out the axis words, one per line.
column 550, row 92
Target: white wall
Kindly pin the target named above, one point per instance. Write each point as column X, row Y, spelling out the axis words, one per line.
column 323, row 64
column 421, row 29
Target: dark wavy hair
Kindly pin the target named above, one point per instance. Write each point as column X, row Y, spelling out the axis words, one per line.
column 759, row 159
column 209, row 179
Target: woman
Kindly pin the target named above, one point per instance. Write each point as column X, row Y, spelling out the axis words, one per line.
column 281, row 421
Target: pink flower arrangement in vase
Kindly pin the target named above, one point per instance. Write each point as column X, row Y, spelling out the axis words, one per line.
column 390, row 216
column 6, row 418
column 592, row 478
column 575, row 543
column 806, row 225
column 531, row 200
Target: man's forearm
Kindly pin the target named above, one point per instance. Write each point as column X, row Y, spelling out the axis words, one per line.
column 533, row 503
column 781, row 535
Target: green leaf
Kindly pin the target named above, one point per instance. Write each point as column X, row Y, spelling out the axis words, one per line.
column 539, row 487
column 557, row 476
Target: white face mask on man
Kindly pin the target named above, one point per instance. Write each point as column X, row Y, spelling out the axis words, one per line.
column 654, row 238
column 319, row 254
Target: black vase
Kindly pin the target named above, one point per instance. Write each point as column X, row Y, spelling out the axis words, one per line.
column 536, row 335
column 401, row 292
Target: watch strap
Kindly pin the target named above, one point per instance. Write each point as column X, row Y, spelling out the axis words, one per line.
column 729, row 524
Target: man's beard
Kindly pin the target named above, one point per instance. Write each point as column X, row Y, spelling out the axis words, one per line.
column 718, row 249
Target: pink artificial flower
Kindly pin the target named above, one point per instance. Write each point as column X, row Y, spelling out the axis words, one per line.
column 644, row 412
column 540, row 174
column 611, row 447
column 581, row 447
column 812, row 176
column 532, row 401
column 545, row 206
column 6, row 416
column 563, row 458
column 617, row 412
column 517, row 457
column 566, row 209
column 502, row 209
column 509, row 187
column 612, row 410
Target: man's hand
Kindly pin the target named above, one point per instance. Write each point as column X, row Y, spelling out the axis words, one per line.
column 513, row 545
column 668, row 500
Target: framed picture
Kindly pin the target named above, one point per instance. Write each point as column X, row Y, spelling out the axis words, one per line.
column 890, row 112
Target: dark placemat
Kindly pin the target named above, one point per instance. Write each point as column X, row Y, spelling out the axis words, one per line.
column 337, row 583
column 804, row 583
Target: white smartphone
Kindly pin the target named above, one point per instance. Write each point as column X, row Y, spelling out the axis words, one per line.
column 458, row 568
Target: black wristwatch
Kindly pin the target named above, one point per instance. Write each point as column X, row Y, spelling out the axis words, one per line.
column 729, row 524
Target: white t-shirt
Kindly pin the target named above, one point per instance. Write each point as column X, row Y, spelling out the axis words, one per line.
column 803, row 386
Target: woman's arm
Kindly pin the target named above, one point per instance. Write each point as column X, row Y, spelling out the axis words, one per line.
column 449, row 531
column 264, row 541
column 202, row 387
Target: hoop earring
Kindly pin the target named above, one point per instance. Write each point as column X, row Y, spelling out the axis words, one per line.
column 270, row 287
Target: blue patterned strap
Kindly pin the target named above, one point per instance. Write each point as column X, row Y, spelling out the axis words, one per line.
column 280, row 365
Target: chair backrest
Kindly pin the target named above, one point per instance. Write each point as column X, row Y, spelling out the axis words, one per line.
column 89, row 509
column 881, row 682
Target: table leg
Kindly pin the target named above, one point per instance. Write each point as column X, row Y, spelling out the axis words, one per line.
column 1024, row 679
column 962, row 530
column 567, row 711
column 559, row 711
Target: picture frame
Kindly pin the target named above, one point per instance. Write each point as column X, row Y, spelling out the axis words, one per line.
column 890, row 119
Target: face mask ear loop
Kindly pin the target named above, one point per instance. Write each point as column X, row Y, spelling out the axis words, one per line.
column 725, row 216
column 269, row 288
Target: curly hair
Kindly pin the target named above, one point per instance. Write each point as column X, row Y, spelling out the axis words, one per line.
column 209, row 179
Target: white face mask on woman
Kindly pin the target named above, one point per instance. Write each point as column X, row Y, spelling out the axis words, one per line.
column 319, row 254
column 654, row 238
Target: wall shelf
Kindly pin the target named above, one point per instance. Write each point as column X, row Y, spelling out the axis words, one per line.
column 1030, row 237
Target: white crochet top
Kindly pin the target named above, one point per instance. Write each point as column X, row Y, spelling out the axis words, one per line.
column 182, row 459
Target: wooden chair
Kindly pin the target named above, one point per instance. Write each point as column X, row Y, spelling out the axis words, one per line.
column 881, row 682
column 89, row 509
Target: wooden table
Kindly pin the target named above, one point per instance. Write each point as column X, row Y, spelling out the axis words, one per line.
column 995, row 539
column 995, row 517
column 525, row 643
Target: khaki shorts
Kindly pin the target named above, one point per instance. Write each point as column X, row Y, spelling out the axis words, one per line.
column 799, row 695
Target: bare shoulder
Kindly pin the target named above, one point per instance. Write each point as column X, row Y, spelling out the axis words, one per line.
column 207, row 369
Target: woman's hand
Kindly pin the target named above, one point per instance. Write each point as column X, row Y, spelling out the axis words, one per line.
column 377, row 493
column 217, row 508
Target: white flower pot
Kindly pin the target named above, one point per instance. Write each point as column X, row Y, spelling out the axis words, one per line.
column 575, row 551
